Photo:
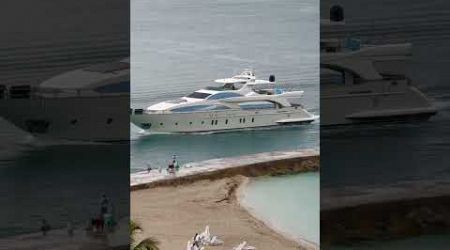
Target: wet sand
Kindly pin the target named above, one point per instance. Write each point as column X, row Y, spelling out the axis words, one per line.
column 173, row 214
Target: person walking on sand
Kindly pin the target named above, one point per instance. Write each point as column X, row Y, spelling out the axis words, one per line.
column 149, row 168
column 45, row 227
column 171, row 168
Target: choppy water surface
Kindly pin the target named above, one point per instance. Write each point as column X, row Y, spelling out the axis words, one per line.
column 178, row 47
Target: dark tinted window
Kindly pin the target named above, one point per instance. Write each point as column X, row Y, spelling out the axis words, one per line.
column 198, row 95
column 223, row 95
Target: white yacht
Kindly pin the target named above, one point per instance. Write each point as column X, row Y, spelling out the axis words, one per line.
column 366, row 83
column 89, row 104
column 235, row 103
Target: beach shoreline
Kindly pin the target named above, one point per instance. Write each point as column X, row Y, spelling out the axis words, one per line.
column 210, row 193
column 217, row 206
column 240, row 196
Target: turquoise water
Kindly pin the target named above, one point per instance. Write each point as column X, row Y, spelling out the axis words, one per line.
column 289, row 203
column 158, row 149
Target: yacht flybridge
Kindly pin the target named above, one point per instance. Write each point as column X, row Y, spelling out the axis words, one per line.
column 87, row 104
column 241, row 101
column 365, row 83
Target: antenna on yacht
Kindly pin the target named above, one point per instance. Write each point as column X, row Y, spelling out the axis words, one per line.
column 272, row 78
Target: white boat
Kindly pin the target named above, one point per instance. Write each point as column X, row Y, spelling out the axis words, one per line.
column 235, row 103
column 366, row 83
column 88, row 104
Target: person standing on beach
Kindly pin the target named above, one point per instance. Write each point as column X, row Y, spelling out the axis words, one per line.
column 171, row 168
column 176, row 165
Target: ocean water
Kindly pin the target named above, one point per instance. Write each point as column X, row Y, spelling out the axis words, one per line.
column 175, row 51
column 294, row 207
column 178, row 47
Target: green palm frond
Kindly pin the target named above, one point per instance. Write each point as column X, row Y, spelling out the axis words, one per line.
column 147, row 244
column 134, row 227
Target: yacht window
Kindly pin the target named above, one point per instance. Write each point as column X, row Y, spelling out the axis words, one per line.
column 190, row 123
column 198, row 95
column 176, row 123
column 228, row 86
column 109, row 120
column 226, row 121
column 212, row 122
column 215, row 123
column 243, row 120
column 161, row 124
column 199, row 108
column 203, row 122
column 253, row 119
column 233, row 86
column 223, row 95
column 146, row 125
column 257, row 105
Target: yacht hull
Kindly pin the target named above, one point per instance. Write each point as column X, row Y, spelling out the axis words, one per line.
column 73, row 118
column 219, row 120
column 373, row 102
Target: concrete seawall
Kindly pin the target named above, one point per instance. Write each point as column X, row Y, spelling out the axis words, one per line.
column 273, row 163
column 354, row 214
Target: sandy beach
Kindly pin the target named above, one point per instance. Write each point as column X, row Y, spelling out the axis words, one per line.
column 173, row 214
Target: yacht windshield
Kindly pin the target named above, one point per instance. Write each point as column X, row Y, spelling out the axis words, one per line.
column 198, row 95
column 223, row 95
column 227, row 86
